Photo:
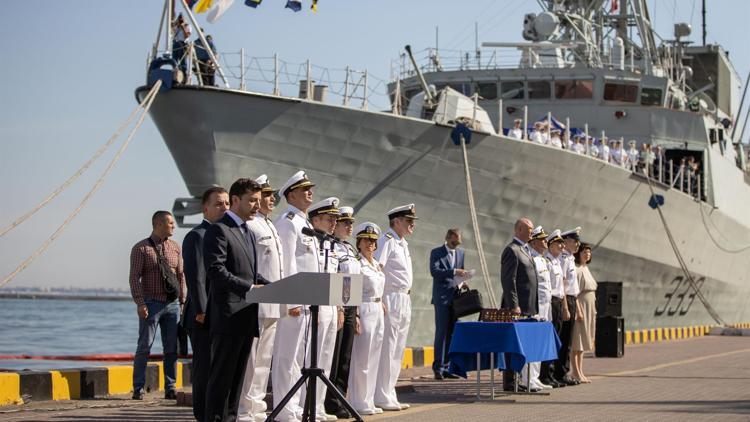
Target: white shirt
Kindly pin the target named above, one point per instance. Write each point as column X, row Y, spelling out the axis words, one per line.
column 577, row 148
column 537, row 137
column 593, row 151
column 556, row 142
column 556, row 276
column 300, row 251
column 348, row 258
column 268, row 247
column 570, row 277
column 633, row 156
column 373, row 279
column 544, row 286
column 516, row 133
column 393, row 255
column 604, row 153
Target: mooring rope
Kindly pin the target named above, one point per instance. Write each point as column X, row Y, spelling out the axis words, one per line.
column 146, row 105
column 713, row 239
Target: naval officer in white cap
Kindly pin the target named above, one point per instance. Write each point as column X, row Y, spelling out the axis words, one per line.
column 516, row 132
column 570, row 283
column 393, row 255
column 323, row 217
column 369, row 339
column 300, row 255
column 268, row 247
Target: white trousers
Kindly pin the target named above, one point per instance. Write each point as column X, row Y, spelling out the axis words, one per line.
column 327, row 327
column 288, row 349
column 363, row 369
column 396, row 328
column 535, row 368
column 252, row 400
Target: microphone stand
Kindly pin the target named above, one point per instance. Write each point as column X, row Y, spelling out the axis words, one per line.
column 312, row 373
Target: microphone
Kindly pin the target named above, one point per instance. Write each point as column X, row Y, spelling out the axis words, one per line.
column 319, row 234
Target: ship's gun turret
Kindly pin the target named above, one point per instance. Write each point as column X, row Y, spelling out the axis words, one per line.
column 429, row 97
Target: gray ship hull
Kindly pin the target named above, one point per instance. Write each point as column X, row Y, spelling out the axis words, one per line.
column 378, row 160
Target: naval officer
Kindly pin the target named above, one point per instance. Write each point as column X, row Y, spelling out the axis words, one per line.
column 268, row 245
column 516, row 132
column 393, row 255
column 348, row 259
column 323, row 217
column 570, row 283
column 538, row 246
column 369, row 339
column 300, row 255
column 558, row 305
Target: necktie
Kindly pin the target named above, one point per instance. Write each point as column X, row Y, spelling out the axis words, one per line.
column 452, row 257
column 246, row 232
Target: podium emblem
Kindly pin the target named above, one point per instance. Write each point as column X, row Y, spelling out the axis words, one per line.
column 346, row 290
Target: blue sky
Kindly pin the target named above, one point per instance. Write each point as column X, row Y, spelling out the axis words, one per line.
column 70, row 68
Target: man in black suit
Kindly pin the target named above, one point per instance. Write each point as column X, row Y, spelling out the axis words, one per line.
column 215, row 202
column 518, row 279
column 231, row 270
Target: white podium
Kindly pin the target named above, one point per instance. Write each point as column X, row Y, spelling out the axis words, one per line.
column 314, row 289
column 311, row 289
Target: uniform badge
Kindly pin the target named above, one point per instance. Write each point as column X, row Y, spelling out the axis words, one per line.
column 290, row 215
column 346, row 290
column 389, row 236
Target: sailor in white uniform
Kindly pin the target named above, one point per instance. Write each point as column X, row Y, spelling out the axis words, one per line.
column 604, row 153
column 252, row 402
column 555, row 140
column 559, row 307
column 323, row 217
column 578, row 147
column 570, row 284
column 369, row 339
column 537, row 135
column 516, row 132
column 300, row 255
column 633, row 155
column 592, row 148
column 393, row 255
column 538, row 243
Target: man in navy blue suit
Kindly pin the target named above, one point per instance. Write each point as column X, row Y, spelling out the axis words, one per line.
column 447, row 269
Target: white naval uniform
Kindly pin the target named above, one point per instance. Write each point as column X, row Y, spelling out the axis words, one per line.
column 300, row 255
column 594, row 151
column 393, row 255
column 270, row 256
column 367, row 346
column 570, row 277
column 604, row 153
column 556, row 276
column 537, row 137
column 556, row 142
column 515, row 133
column 327, row 327
column 617, row 156
column 544, row 298
column 633, row 156
column 578, row 148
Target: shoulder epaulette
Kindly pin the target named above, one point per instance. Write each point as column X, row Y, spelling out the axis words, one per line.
column 389, row 236
column 290, row 215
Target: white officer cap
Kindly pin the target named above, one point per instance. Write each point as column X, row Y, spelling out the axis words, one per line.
column 298, row 180
column 265, row 185
column 346, row 214
column 367, row 230
column 517, row 120
column 572, row 234
column 408, row 211
column 326, row 206
column 555, row 236
column 538, row 233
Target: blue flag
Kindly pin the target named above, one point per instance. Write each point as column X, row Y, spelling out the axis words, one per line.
column 191, row 3
column 253, row 3
column 295, row 5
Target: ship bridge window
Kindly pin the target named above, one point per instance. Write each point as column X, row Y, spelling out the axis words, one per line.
column 511, row 90
column 574, row 89
column 539, row 90
column 627, row 93
column 488, row 91
column 651, row 97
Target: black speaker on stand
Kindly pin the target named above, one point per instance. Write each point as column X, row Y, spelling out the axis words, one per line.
column 609, row 299
column 610, row 325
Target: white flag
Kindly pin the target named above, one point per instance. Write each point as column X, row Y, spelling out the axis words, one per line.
column 218, row 10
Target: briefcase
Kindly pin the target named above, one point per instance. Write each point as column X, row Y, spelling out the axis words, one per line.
column 467, row 302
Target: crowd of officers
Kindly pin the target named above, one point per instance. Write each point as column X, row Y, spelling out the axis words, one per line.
column 360, row 348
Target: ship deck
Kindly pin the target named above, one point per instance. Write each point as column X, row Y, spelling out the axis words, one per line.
column 702, row 378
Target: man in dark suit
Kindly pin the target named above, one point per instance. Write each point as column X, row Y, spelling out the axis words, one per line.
column 518, row 279
column 231, row 270
column 446, row 268
column 215, row 202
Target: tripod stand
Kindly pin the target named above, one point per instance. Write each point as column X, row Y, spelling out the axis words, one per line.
column 313, row 373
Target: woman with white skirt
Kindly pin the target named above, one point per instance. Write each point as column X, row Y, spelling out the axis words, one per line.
column 369, row 330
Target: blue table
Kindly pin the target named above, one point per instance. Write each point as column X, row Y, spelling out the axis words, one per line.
column 522, row 341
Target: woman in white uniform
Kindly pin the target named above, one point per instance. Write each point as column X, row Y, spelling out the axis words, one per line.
column 369, row 331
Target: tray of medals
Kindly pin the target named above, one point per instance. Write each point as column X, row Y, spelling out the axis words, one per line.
column 496, row 315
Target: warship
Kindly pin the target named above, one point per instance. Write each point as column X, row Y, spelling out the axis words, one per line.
column 588, row 67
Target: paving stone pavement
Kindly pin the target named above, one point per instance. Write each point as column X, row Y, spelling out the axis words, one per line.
column 705, row 378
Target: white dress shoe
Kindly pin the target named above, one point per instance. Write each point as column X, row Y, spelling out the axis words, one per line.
column 326, row 417
column 404, row 406
column 365, row 412
column 389, row 407
column 541, row 385
column 378, row 410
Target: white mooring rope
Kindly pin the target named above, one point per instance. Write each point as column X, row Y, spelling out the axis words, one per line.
column 146, row 105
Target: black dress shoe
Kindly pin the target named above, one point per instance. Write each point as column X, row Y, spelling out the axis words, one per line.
column 342, row 414
column 170, row 395
column 570, row 381
column 448, row 375
column 137, row 395
column 439, row 376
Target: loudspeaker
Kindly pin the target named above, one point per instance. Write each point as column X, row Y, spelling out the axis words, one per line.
column 610, row 337
column 609, row 298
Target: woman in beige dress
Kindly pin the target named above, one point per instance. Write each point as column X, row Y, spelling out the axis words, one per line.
column 585, row 326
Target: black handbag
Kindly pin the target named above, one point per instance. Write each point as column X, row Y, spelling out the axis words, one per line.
column 467, row 302
column 169, row 278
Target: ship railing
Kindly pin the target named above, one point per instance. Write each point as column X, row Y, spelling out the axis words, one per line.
column 346, row 86
column 439, row 60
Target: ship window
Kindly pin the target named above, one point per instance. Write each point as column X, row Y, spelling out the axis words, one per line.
column 574, row 89
column 511, row 90
column 488, row 91
column 620, row 92
column 651, row 96
column 539, row 90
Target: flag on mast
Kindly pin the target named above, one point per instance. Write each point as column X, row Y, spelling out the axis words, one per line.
column 295, row 5
column 253, row 3
column 218, row 10
column 203, row 6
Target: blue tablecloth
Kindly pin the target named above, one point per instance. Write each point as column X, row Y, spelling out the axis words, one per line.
column 522, row 341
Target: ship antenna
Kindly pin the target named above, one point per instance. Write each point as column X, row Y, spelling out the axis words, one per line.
column 703, row 14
